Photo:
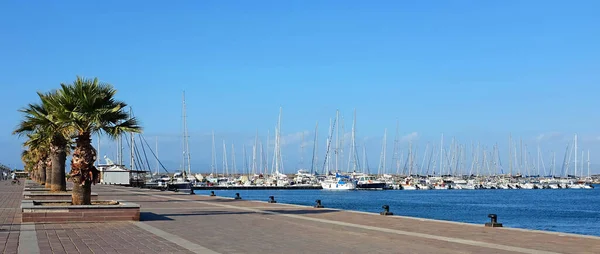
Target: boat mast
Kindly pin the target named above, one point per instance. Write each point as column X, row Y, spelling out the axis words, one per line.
column 395, row 161
column 302, row 152
column 381, row 168
column 278, row 142
column 354, row 159
column 186, row 145
column 575, row 155
column 225, row 168
column 254, row 149
column 267, row 153
column 157, row 163
column 553, row 164
column 441, row 155
column 315, row 157
column 233, row 167
column 99, row 154
column 588, row 162
column 263, row 161
column 581, row 168
column 337, row 140
column 213, row 165
column 132, row 143
column 245, row 161
column 510, row 162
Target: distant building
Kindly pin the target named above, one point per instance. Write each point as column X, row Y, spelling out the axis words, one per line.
column 115, row 174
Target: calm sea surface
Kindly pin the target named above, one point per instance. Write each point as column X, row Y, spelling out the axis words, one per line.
column 570, row 211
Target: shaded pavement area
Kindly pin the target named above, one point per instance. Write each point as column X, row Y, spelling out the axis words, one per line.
column 182, row 223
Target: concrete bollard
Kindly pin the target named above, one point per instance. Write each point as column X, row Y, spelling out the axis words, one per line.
column 493, row 221
column 386, row 210
column 272, row 199
column 212, row 194
column 318, row 204
column 237, row 196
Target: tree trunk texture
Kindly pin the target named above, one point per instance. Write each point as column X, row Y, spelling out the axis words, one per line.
column 59, row 157
column 83, row 172
column 40, row 177
column 82, row 193
column 48, row 168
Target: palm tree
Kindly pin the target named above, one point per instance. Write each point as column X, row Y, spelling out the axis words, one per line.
column 38, row 151
column 27, row 157
column 88, row 107
column 40, row 120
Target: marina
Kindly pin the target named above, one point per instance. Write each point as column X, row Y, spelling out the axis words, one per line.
column 446, row 167
column 182, row 223
column 218, row 127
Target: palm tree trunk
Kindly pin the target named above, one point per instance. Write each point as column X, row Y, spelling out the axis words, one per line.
column 58, row 157
column 82, row 194
column 48, row 176
column 40, row 177
column 83, row 172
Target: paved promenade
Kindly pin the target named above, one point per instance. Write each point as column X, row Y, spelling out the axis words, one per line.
column 182, row 223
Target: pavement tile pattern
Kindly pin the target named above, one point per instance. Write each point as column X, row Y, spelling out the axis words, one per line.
column 101, row 237
column 10, row 216
column 182, row 223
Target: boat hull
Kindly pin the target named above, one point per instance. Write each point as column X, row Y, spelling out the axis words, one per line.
column 338, row 186
column 371, row 186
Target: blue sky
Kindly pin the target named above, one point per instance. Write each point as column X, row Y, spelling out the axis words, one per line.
column 475, row 70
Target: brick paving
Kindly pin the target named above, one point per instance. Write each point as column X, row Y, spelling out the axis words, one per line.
column 180, row 223
column 229, row 226
column 107, row 237
column 10, row 216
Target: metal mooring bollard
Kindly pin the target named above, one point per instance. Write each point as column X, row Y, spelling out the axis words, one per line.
column 493, row 221
column 318, row 204
column 237, row 196
column 272, row 199
column 386, row 210
column 212, row 194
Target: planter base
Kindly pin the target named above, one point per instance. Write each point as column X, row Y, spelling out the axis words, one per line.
column 63, row 211
column 47, row 195
column 36, row 189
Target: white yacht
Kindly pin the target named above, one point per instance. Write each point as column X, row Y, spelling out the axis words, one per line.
column 338, row 182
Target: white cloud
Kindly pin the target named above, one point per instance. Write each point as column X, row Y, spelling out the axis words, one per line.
column 294, row 138
column 548, row 136
column 410, row 137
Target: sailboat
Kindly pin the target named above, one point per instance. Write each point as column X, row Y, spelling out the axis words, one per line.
column 338, row 181
column 277, row 177
column 180, row 180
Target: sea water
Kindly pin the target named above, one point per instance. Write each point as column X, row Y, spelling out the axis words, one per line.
column 561, row 210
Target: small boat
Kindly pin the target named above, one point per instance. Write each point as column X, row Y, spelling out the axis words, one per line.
column 339, row 182
column 370, row 183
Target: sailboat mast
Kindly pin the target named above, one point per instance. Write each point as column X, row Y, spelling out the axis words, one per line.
column 354, row 160
column 225, row 169
column 510, row 162
column 233, row 166
column 121, row 149
column 132, row 143
column 302, row 152
column 337, row 140
column 213, row 164
column 588, row 162
column 99, row 154
column 575, row 155
column 441, row 170
column 315, row 146
column 156, row 148
column 186, row 145
column 278, row 142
